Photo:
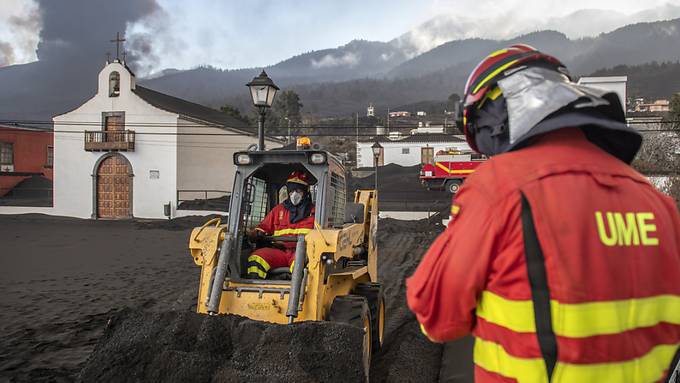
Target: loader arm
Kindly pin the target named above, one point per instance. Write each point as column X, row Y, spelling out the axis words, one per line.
column 369, row 198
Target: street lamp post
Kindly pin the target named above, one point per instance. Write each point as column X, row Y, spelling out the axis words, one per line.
column 262, row 91
column 377, row 149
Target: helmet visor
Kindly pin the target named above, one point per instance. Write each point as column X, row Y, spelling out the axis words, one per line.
column 534, row 93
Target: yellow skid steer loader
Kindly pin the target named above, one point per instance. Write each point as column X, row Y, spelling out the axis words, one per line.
column 334, row 275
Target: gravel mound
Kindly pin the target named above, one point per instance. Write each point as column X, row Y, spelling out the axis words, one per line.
column 398, row 183
column 407, row 355
column 185, row 346
column 77, row 274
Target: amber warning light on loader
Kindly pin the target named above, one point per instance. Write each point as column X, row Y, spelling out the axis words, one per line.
column 304, row 143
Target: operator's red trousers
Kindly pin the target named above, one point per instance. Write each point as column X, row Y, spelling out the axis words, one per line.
column 268, row 258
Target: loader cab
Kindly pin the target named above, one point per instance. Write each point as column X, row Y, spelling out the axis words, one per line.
column 259, row 185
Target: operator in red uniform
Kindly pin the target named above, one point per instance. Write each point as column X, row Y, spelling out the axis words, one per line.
column 292, row 217
column 560, row 259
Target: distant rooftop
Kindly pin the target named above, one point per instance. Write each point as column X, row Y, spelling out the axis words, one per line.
column 419, row 137
column 45, row 128
column 190, row 109
column 589, row 80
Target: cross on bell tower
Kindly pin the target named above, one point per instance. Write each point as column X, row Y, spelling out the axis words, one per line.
column 117, row 40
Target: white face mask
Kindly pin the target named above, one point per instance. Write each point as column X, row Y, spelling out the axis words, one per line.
column 295, row 198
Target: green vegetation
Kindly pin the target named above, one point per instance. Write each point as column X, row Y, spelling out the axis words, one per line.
column 233, row 111
column 652, row 80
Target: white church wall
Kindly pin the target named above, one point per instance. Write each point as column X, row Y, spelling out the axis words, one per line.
column 206, row 162
column 73, row 166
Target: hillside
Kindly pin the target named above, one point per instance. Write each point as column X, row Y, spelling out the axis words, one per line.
column 436, row 74
column 345, row 79
column 652, row 80
column 630, row 45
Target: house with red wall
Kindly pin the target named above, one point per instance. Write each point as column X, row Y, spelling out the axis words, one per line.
column 26, row 158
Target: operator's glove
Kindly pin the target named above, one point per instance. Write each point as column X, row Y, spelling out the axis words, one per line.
column 256, row 235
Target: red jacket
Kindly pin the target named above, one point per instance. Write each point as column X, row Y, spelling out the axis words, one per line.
column 612, row 259
column 277, row 223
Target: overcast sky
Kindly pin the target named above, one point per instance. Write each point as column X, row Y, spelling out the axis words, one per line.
column 252, row 33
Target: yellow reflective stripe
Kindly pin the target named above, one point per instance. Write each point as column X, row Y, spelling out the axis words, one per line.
column 455, row 209
column 492, row 357
column 494, row 93
column 491, row 95
column 578, row 320
column 647, row 368
column 257, row 259
column 496, row 53
column 291, row 267
column 493, row 74
column 256, row 270
column 291, row 231
column 454, row 171
column 297, row 180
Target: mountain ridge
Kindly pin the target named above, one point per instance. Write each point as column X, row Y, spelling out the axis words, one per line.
column 359, row 72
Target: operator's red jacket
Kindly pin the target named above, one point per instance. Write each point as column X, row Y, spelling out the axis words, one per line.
column 277, row 223
column 612, row 258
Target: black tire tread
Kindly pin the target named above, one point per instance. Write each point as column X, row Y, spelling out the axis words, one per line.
column 373, row 292
column 352, row 309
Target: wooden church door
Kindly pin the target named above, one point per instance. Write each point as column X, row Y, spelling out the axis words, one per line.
column 114, row 188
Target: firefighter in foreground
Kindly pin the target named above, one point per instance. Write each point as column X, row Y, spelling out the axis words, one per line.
column 560, row 259
column 292, row 217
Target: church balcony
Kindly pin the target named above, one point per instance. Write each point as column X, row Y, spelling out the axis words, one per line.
column 111, row 140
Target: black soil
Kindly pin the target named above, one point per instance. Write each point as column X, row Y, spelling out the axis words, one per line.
column 63, row 280
column 188, row 347
column 399, row 189
column 32, row 191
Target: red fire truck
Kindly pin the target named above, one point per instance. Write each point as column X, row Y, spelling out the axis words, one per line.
column 449, row 169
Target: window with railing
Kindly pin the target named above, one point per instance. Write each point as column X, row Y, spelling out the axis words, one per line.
column 112, row 135
column 114, row 128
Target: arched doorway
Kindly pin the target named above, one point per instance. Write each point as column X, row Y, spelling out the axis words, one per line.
column 113, row 198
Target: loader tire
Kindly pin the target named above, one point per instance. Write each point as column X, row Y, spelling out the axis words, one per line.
column 353, row 310
column 373, row 292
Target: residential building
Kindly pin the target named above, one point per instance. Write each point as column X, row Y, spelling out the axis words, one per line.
column 25, row 152
column 610, row 83
column 401, row 113
column 658, row 106
column 408, row 150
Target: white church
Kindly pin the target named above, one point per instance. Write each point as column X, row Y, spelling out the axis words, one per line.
column 129, row 151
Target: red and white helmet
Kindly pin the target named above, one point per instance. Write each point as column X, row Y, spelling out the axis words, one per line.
column 489, row 71
column 298, row 177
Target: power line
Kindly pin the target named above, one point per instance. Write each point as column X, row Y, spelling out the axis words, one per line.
column 216, row 125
